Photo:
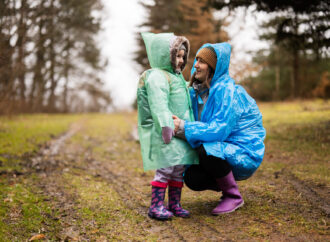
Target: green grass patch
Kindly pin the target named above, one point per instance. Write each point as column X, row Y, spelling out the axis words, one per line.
column 297, row 142
column 22, row 134
column 100, row 203
column 25, row 134
column 24, row 213
column 298, row 136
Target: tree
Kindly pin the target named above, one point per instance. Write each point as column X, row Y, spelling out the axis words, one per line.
column 297, row 28
column 274, row 78
column 47, row 47
column 187, row 18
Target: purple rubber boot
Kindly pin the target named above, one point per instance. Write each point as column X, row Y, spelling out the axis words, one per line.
column 231, row 197
column 157, row 209
column 174, row 198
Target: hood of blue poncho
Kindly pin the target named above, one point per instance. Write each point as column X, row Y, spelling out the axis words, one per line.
column 223, row 51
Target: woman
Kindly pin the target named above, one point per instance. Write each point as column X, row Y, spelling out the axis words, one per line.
column 228, row 133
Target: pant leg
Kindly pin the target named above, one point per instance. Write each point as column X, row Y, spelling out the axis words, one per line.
column 214, row 166
column 177, row 173
column 162, row 176
column 197, row 179
column 203, row 176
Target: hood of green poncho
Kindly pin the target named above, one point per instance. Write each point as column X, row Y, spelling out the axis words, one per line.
column 162, row 49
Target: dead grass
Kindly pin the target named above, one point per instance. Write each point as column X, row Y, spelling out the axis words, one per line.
column 99, row 191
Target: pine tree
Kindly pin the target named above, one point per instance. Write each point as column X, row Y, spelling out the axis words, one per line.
column 44, row 43
column 187, row 18
column 298, row 29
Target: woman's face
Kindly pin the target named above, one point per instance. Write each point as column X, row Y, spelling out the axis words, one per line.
column 201, row 70
column 179, row 60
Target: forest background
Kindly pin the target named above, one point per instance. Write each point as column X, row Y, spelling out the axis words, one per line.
column 51, row 60
column 79, row 177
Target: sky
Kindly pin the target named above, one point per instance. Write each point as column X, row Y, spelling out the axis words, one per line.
column 118, row 44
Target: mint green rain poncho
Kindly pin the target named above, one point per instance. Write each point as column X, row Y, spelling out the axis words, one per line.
column 161, row 93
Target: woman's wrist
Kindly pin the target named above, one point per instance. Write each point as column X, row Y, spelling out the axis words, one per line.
column 180, row 133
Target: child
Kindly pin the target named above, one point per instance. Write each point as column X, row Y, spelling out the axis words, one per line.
column 163, row 92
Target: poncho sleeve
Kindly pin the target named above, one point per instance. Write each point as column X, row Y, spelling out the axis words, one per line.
column 226, row 111
column 158, row 90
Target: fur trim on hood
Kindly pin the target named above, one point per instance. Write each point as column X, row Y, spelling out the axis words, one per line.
column 174, row 49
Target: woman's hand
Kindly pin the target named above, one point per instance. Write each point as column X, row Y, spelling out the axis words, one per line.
column 177, row 122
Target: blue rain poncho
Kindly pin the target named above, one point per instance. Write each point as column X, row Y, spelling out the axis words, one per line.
column 231, row 123
column 161, row 93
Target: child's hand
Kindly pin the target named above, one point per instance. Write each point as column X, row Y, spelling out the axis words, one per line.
column 176, row 121
column 167, row 134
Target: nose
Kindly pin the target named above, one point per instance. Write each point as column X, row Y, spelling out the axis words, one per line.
column 197, row 64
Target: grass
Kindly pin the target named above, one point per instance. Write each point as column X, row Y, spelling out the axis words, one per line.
column 23, row 211
column 100, row 203
column 23, row 135
column 299, row 134
column 102, row 176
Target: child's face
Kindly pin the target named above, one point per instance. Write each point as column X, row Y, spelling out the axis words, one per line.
column 179, row 60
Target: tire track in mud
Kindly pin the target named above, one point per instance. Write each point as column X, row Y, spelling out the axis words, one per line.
column 130, row 198
column 96, row 169
column 123, row 186
column 310, row 194
column 212, row 233
column 49, row 167
column 47, row 162
column 319, row 203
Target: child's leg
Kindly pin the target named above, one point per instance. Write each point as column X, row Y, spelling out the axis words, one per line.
column 159, row 185
column 162, row 177
column 174, row 192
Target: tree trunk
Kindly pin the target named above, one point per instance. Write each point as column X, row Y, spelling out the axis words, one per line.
column 52, row 58
column 277, row 82
column 296, row 60
column 40, row 62
column 292, row 81
column 21, row 69
column 66, row 76
column 296, row 73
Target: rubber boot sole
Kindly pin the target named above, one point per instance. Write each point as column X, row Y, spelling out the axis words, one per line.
column 159, row 218
column 230, row 211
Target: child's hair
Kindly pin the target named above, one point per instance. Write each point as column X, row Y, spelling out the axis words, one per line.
column 182, row 47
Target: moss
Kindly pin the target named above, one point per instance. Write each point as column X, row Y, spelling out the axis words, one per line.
column 297, row 143
column 24, row 134
column 25, row 213
column 100, row 203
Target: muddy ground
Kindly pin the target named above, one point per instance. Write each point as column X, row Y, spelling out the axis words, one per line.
column 92, row 180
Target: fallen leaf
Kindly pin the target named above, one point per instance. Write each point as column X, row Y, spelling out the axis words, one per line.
column 38, row 236
column 6, row 200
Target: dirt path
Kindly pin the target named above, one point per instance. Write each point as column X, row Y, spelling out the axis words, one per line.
column 98, row 191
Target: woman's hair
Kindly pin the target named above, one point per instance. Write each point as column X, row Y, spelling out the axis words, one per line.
column 207, row 81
